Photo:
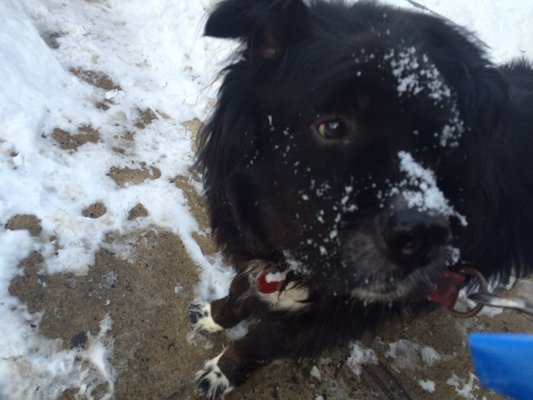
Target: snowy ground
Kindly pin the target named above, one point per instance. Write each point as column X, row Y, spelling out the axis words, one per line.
column 99, row 103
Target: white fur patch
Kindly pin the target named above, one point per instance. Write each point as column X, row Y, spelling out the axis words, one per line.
column 204, row 321
column 212, row 381
column 372, row 296
column 293, row 298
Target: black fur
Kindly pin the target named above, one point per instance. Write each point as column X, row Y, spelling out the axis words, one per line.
column 333, row 210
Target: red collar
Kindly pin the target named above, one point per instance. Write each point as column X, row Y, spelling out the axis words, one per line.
column 270, row 281
column 447, row 289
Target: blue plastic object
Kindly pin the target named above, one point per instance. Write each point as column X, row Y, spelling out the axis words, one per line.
column 504, row 363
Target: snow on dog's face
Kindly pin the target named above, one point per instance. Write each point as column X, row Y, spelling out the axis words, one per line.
column 344, row 153
column 346, row 177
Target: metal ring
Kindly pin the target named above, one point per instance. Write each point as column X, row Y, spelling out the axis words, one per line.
column 484, row 289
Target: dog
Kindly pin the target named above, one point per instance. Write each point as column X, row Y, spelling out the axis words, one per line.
column 356, row 153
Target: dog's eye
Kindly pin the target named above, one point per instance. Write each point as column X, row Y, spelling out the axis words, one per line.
column 332, row 129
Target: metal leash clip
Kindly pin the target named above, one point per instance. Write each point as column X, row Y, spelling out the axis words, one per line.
column 493, row 300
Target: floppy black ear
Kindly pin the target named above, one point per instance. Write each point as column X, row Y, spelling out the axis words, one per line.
column 266, row 25
column 484, row 98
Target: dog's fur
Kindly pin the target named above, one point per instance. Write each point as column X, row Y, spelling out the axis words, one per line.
column 359, row 151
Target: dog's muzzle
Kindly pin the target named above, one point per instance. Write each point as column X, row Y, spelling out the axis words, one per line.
column 397, row 255
column 409, row 237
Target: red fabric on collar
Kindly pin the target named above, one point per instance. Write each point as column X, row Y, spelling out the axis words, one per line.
column 270, row 281
column 447, row 289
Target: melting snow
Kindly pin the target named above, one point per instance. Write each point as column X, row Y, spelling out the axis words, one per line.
column 409, row 355
column 462, row 387
column 146, row 49
column 430, row 356
column 359, row 356
column 427, row 385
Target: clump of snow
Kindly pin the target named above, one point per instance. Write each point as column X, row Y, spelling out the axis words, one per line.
column 412, row 356
column 360, row 355
column 315, row 373
column 215, row 276
column 295, row 264
column 416, row 74
column 404, row 354
column 275, row 276
column 463, row 388
column 451, row 132
column 427, row 385
column 420, row 190
column 429, row 356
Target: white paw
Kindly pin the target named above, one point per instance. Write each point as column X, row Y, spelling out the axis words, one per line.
column 211, row 381
column 200, row 316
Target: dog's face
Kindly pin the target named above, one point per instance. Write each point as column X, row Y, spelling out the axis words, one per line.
column 352, row 143
column 347, row 180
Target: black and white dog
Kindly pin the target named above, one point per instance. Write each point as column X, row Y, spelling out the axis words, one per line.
column 356, row 153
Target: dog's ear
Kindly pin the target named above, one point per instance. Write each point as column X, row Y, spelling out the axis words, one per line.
column 485, row 92
column 267, row 26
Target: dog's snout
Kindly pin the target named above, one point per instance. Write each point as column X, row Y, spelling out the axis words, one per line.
column 410, row 236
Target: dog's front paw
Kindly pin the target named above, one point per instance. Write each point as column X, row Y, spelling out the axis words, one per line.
column 211, row 380
column 200, row 316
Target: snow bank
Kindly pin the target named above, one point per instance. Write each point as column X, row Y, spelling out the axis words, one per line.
column 155, row 59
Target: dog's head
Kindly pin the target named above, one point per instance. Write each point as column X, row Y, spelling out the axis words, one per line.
column 344, row 139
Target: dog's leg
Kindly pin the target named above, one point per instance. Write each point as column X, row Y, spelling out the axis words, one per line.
column 233, row 366
column 211, row 380
column 201, row 318
column 225, row 312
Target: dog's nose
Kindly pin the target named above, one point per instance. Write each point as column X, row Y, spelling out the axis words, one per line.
column 410, row 236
